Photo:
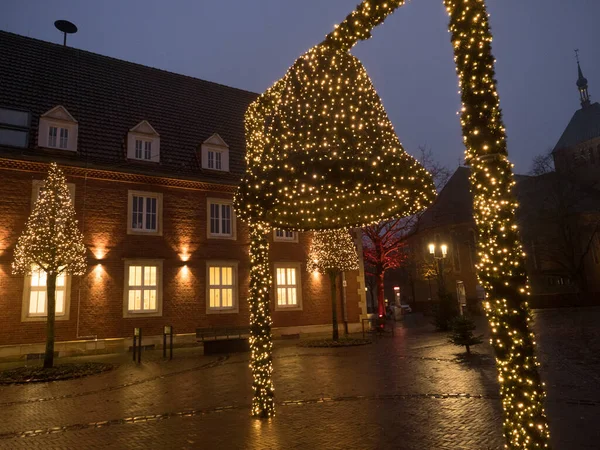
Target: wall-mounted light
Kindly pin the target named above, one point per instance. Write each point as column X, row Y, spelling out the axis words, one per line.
column 98, row 271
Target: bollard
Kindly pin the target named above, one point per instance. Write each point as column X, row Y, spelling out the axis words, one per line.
column 136, row 332
column 139, row 355
column 168, row 330
column 171, row 343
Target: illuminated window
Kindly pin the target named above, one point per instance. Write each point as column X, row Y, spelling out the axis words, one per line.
column 287, row 286
column 221, row 221
column 285, row 236
column 145, row 213
column 221, row 287
column 143, row 292
column 36, row 293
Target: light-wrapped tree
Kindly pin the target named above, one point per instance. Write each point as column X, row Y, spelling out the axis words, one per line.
column 53, row 243
column 332, row 252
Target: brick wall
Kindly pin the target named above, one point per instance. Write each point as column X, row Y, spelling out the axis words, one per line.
column 97, row 298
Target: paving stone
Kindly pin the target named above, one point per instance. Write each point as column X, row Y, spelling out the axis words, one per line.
column 410, row 391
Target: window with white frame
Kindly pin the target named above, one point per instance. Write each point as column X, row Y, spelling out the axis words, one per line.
column 58, row 129
column 143, row 149
column 221, row 287
column 285, row 236
column 215, row 154
column 145, row 213
column 143, row 287
column 36, row 293
column 215, row 159
column 221, row 221
column 287, row 286
column 143, row 143
column 58, row 137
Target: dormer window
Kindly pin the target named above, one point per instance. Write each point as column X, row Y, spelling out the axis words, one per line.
column 215, row 159
column 143, row 143
column 58, row 129
column 143, row 149
column 215, row 154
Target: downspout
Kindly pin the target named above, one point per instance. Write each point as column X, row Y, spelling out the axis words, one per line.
column 344, row 308
column 95, row 337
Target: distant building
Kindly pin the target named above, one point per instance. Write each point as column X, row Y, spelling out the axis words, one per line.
column 558, row 218
column 152, row 159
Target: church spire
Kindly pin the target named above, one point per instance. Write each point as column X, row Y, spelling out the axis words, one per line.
column 582, row 84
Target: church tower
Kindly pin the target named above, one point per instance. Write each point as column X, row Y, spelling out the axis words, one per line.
column 577, row 152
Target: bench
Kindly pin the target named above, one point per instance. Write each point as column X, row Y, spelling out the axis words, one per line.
column 224, row 340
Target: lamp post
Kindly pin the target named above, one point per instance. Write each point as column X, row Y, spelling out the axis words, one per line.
column 439, row 253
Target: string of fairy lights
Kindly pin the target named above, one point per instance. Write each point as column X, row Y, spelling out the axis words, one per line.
column 501, row 268
column 261, row 343
column 51, row 240
column 321, row 151
column 332, row 251
column 321, row 154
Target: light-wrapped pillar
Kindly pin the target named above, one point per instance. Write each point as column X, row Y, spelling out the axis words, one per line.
column 261, row 342
column 501, row 262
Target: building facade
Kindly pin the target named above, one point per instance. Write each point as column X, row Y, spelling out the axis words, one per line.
column 152, row 160
column 558, row 219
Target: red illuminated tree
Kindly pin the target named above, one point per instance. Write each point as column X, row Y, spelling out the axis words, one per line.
column 384, row 244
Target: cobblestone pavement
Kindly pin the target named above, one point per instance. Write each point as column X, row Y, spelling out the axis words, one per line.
column 410, row 391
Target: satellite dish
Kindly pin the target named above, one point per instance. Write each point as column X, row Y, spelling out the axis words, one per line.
column 66, row 27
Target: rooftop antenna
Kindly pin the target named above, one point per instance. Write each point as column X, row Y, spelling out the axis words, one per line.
column 66, row 27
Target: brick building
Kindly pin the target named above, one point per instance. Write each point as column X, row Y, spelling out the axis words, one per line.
column 152, row 159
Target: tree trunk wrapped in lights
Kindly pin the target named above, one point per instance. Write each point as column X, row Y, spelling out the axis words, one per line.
column 321, row 152
column 332, row 252
column 51, row 242
column 501, row 268
column 261, row 344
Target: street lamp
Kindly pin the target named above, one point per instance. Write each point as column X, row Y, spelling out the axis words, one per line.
column 439, row 253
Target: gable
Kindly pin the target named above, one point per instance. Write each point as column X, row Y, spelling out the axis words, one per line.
column 59, row 113
column 144, row 127
column 216, row 140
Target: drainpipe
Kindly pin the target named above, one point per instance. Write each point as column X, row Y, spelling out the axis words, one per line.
column 77, row 336
column 344, row 309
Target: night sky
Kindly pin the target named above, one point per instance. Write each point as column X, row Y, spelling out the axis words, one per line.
column 250, row 43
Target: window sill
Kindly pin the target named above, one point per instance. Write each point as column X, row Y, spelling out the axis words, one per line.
column 43, row 318
column 222, row 311
column 143, row 161
column 141, row 314
column 288, row 308
column 131, row 231
column 221, row 236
